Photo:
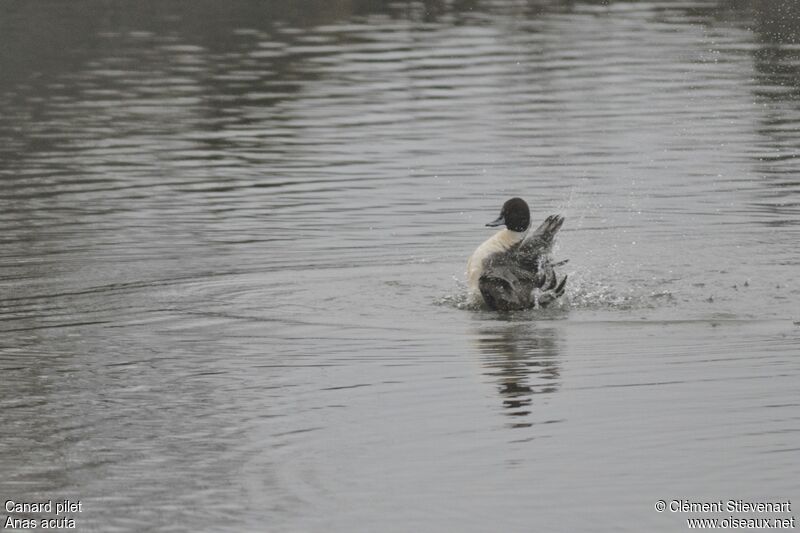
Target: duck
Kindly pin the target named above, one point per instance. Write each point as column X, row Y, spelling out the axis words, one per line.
column 513, row 269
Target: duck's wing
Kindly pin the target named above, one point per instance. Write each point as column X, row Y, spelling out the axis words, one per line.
column 540, row 241
column 504, row 287
column 507, row 287
column 546, row 295
column 534, row 252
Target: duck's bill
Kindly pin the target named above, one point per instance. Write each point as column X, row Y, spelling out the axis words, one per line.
column 499, row 222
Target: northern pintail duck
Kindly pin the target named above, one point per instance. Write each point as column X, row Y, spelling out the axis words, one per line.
column 513, row 269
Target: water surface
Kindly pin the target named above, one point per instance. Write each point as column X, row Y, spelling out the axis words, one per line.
column 233, row 249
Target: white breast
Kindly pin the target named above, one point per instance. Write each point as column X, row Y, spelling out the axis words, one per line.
column 497, row 243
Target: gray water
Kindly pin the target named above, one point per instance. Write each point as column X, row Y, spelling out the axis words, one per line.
column 233, row 245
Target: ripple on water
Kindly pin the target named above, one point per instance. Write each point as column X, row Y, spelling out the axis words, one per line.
column 230, row 237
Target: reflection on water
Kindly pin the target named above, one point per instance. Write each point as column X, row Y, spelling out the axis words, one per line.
column 523, row 359
column 225, row 227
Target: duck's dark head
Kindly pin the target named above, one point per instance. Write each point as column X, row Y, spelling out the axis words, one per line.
column 515, row 215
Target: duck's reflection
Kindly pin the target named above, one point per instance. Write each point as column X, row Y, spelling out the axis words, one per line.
column 523, row 359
